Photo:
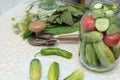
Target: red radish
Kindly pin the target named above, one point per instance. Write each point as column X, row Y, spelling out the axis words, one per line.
column 111, row 40
column 88, row 23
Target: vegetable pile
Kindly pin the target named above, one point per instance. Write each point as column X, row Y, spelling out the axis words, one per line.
column 100, row 36
column 64, row 20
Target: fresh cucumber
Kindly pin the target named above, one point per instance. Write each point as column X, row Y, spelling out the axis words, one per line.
column 76, row 75
column 35, row 69
column 98, row 5
column 104, row 54
column 102, row 24
column 53, row 73
column 90, row 55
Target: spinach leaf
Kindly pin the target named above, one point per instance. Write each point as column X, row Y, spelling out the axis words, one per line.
column 52, row 18
column 67, row 18
column 56, row 30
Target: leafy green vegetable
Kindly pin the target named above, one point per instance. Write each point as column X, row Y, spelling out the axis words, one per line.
column 67, row 14
column 64, row 20
column 67, row 18
column 56, row 30
column 27, row 34
column 50, row 19
column 61, row 9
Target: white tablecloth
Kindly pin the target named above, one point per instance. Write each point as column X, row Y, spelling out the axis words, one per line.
column 14, row 51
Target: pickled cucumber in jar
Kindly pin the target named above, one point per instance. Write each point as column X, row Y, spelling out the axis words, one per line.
column 100, row 36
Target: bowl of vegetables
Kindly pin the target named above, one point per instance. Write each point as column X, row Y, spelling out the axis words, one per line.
column 100, row 36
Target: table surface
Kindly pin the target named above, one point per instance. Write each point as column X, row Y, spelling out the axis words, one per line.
column 14, row 51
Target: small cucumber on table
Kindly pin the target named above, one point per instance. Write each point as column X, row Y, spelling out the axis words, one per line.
column 76, row 75
column 102, row 24
column 35, row 69
column 53, row 73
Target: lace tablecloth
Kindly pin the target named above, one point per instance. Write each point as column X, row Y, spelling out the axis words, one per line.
column 14, row 51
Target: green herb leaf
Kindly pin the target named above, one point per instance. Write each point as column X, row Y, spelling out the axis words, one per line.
column 56, row 30
column 52, row 18
column 67, row 18
column 62, row 8
column 27, row 34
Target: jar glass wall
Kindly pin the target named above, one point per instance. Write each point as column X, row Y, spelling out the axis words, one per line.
column 100, row 36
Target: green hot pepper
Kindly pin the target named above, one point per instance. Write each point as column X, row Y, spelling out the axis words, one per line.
column 55, row 51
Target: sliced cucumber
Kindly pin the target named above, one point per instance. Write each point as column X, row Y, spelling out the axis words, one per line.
column 105, row 9
column 98, row 13
column 114, row 6
column 109, row 13
column 98, row 5
column 102, row 24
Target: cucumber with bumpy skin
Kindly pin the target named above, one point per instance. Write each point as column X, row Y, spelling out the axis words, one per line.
column 53, row 73
column 35, row 69
column 76, row 75
column 102, row 24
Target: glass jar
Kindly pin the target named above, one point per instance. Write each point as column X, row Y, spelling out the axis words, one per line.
column 100, row 36
column 48, row 4
column 73, row 1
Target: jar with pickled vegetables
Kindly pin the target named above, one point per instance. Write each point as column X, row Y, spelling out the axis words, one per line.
column 100, row 36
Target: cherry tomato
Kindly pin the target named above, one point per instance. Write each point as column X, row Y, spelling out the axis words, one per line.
column 111, row 40
column 88, row 23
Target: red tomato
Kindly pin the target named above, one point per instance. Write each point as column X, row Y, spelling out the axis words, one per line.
column 111, row 40
column 88, row 23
